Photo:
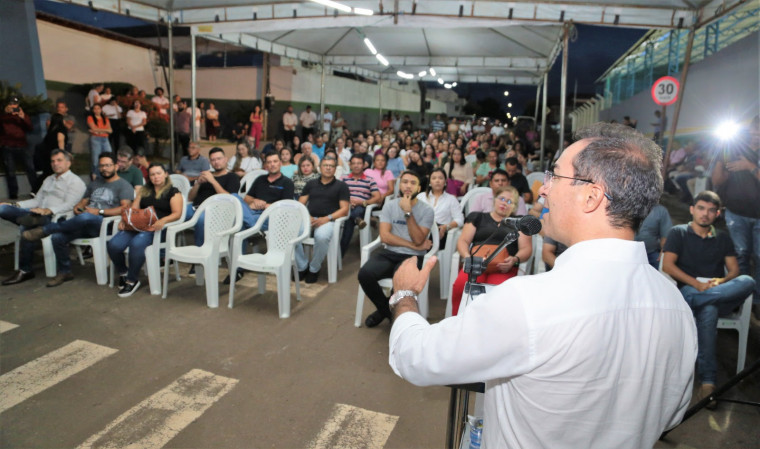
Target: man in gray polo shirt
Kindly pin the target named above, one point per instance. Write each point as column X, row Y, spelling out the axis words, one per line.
column 404, row 226
column 193, row 164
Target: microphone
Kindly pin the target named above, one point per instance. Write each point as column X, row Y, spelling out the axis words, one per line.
column 528, row 224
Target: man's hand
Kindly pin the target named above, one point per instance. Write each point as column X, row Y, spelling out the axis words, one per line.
column 425, row 245
column 41, row 211
column 702, row 286
column 317, row 222
column 405, row 203
column 742, row 164
column 408, row 277
column 257, row 204
column 205, row 176
column 356, row 201
column 91, row 210
column 714, row 282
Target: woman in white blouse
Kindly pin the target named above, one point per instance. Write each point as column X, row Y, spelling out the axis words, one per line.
column 244, row 160
column 448, row 213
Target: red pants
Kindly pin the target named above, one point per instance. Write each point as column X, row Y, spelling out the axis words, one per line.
column 256, row 133
column 486, row 278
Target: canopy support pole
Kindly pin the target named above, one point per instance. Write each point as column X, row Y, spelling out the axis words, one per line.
column 679, row 101
column 170, row 90
column 321, row 125
column 192, row 83
column 563, row 89
column 543, row 118
column 538, row 97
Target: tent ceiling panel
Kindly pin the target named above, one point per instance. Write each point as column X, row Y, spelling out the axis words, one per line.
column 482, row 40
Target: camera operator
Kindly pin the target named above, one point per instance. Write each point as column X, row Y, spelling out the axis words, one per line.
column 14, row 125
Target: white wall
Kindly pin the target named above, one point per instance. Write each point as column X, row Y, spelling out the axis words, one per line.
column 230, row 83
column 722, row 86
column 77, row 57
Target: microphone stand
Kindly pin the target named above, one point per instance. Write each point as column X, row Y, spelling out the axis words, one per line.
column 475, row 266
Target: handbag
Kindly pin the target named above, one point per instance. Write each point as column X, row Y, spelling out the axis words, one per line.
column 138, row 219
column 215, row 123
column 485, row 250
column 453, row 186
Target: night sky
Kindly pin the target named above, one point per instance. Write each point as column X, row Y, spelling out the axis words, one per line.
column 595, row 49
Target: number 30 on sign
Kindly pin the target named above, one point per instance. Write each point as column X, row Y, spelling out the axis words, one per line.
column 665, row 91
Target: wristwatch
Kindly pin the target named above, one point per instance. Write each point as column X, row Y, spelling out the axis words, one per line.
column 401, row 294
column 101, row 212
column 407, row 215
column 330, row 217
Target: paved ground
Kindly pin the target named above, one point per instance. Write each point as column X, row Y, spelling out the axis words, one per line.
column 87, row 369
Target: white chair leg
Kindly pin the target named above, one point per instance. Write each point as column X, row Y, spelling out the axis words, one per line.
column 212, row 287
column 100, row 259
column 154, row 270
column 283, row 293
column 79, row 255
column 443, row 273
column 232, row 289
column 262, row 283
column 332, row 264
column 199, row 274
column 48, row 254
column 166, row 277
column 176, row 270
column 359, row 308
column 298, row 281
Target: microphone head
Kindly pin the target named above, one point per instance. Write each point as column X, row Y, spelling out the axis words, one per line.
column 529, row 225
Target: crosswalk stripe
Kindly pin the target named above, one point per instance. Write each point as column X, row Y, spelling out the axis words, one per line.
column 6, row 326
column 354, row 427
column 48, row 370
column 158, row 419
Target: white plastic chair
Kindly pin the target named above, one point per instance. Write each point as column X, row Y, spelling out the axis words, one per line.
column 108, row 228
column 47, row 247
column 153, row 257
column 334, row 260
column 247, row 180
column 181, row 183
column 739, row 321
column 223, row 217
column 289, row 224
column 387, row 284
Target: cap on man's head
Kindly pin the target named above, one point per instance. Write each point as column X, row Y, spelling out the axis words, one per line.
column 13, row 100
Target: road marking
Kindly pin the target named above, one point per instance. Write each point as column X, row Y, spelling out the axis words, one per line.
column 158, row 419
column 6, row 326
column 356, row 428
column 48, row 370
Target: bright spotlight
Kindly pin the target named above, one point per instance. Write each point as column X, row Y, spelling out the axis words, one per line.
column 506, row 93
column 454, row 84
column 422, row 73
column 369, row 45
column 509, row 105
column 382, row 59
column 432, row 71
column 727, row 130
column 440, row 80
column 447, row 86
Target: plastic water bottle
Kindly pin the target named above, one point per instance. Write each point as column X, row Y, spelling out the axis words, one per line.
column 476, row 431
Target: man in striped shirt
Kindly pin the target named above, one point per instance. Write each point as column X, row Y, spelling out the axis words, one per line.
column 364, row 192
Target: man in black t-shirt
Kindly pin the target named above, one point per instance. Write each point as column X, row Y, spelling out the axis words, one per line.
column 518, row 180
column 266, row 190
column 703, row 263
column 327, row 199
column 209, row 184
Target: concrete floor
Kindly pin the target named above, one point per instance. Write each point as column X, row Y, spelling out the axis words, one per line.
column 291, row 374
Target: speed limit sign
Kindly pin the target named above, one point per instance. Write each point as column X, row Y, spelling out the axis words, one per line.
column 665, row 91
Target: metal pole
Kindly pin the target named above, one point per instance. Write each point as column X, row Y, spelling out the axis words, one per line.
column 538, row 96
column 192, row 82
column 322, row 100
column 543, row 119
column 265, row 92
column 679, row 101
column 563, row 89
column 379, row 101
column 170, row 90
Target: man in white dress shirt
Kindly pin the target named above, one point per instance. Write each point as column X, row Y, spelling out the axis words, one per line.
column 59, row 193
column 597, row 353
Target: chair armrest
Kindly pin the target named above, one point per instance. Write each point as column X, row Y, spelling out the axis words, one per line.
column 242, row 235
column 368, row 248
column 337, row 226
column 368, row 212
column 104, row 226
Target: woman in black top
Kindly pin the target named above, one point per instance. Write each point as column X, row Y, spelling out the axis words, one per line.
column 56, row 139
column 167, row 202
column 419, row 166
column 486, row 228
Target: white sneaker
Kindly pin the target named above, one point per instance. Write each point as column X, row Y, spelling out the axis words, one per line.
column 128, row 289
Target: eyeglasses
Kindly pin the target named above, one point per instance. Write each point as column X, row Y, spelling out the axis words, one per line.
column 550, row 175
column 504, row 200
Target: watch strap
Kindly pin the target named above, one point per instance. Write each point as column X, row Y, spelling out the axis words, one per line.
column 401, row 294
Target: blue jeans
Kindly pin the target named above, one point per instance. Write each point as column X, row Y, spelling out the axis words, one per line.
column 136, row 242
column 322, row 237
column 745, row 232
column 654, row 259
column 707, row 306
column 80, row 226
column 98, row 145
column 348, row 228
column 9, row 157
column 26, row 251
